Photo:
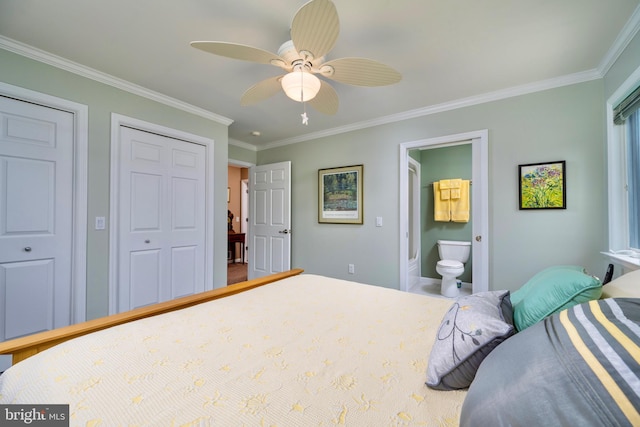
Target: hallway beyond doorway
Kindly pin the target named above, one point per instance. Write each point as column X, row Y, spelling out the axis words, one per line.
column 236, row 272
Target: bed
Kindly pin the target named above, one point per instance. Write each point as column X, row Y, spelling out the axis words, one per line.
column 304, row 350
column 301, row 349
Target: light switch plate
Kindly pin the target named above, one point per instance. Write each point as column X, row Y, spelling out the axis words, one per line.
column 100, row 223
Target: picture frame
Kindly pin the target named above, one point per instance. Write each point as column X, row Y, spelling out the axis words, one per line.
column 340, row 195
column 542, row 185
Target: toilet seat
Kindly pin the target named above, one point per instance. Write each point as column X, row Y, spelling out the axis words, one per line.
column 449, row 269
column 448, row 263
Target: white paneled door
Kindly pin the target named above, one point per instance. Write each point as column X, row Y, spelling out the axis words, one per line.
column 269, row 239
column 36, row 217
column 161, row 220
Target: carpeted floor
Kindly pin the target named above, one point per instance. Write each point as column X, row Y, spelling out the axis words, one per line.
column 236, row 272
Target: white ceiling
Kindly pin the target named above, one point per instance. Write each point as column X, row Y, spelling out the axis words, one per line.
column 446, row 50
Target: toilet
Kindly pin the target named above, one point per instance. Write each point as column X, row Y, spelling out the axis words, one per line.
column 453, row 255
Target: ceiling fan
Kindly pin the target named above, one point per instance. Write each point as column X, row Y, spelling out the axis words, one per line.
column 314, row 31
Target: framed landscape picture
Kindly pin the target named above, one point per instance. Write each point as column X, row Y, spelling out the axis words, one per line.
column 542, row 185
column 340, row 195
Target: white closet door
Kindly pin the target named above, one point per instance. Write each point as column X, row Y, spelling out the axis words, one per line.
column 36, row 202
column 161, row 219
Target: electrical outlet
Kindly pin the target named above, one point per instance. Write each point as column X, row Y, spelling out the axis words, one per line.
column 352, row 269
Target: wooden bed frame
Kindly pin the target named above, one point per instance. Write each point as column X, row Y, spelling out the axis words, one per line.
column 24, row 347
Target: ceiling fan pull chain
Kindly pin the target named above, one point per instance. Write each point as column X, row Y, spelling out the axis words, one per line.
column 305, row 118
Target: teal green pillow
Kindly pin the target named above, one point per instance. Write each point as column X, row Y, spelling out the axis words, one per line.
column 551, row 291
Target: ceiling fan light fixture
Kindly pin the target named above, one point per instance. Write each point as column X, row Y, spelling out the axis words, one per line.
column 314, row 31
column 300, row 85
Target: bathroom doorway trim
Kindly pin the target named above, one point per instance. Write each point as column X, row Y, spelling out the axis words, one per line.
column 479, row 141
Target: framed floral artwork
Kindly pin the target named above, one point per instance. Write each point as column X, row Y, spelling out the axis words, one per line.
column 340, row 195
column 542, row 185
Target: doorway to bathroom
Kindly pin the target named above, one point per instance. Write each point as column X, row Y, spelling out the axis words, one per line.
column 421, row 163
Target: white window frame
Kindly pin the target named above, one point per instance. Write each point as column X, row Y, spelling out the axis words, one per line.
column 618, row 251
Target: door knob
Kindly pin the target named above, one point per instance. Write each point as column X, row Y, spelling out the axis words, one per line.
column 285, row 231
column 27, row 249
column 478, row 238
column 147, row 241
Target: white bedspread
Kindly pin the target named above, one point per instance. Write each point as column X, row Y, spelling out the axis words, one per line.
column 305, row 351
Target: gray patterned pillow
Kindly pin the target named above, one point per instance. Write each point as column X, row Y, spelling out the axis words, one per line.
column 471, row 329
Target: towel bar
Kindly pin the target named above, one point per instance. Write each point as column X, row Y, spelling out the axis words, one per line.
column 470, row 183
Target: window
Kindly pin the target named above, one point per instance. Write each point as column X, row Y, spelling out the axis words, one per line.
column 633, row 177
column 623, row 134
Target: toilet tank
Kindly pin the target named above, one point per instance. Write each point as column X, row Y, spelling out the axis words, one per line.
column 454, row 250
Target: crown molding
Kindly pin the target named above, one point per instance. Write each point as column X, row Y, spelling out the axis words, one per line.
column 621, row 42
column 243, row 144
column 630, row 29
column 446, row 106
column 240, row 163
column 625, row 36
column 90, row 73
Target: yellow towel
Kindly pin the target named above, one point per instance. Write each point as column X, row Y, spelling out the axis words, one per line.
column 445, row 192
column 455, row 188
column 445, row 184
column 441, row 208
column 460, row 206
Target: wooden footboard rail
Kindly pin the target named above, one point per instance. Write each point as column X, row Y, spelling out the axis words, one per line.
column 24, row 347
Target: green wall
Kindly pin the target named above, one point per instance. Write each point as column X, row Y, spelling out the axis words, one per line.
column 566, row 123
column 624, row 66
column 242, row 154
column 102, row 100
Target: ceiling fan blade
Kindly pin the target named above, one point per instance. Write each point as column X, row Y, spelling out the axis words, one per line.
column 315, row 28
column 240, row 51
column 326, row 101
column 261, row 91
column 360, row 72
